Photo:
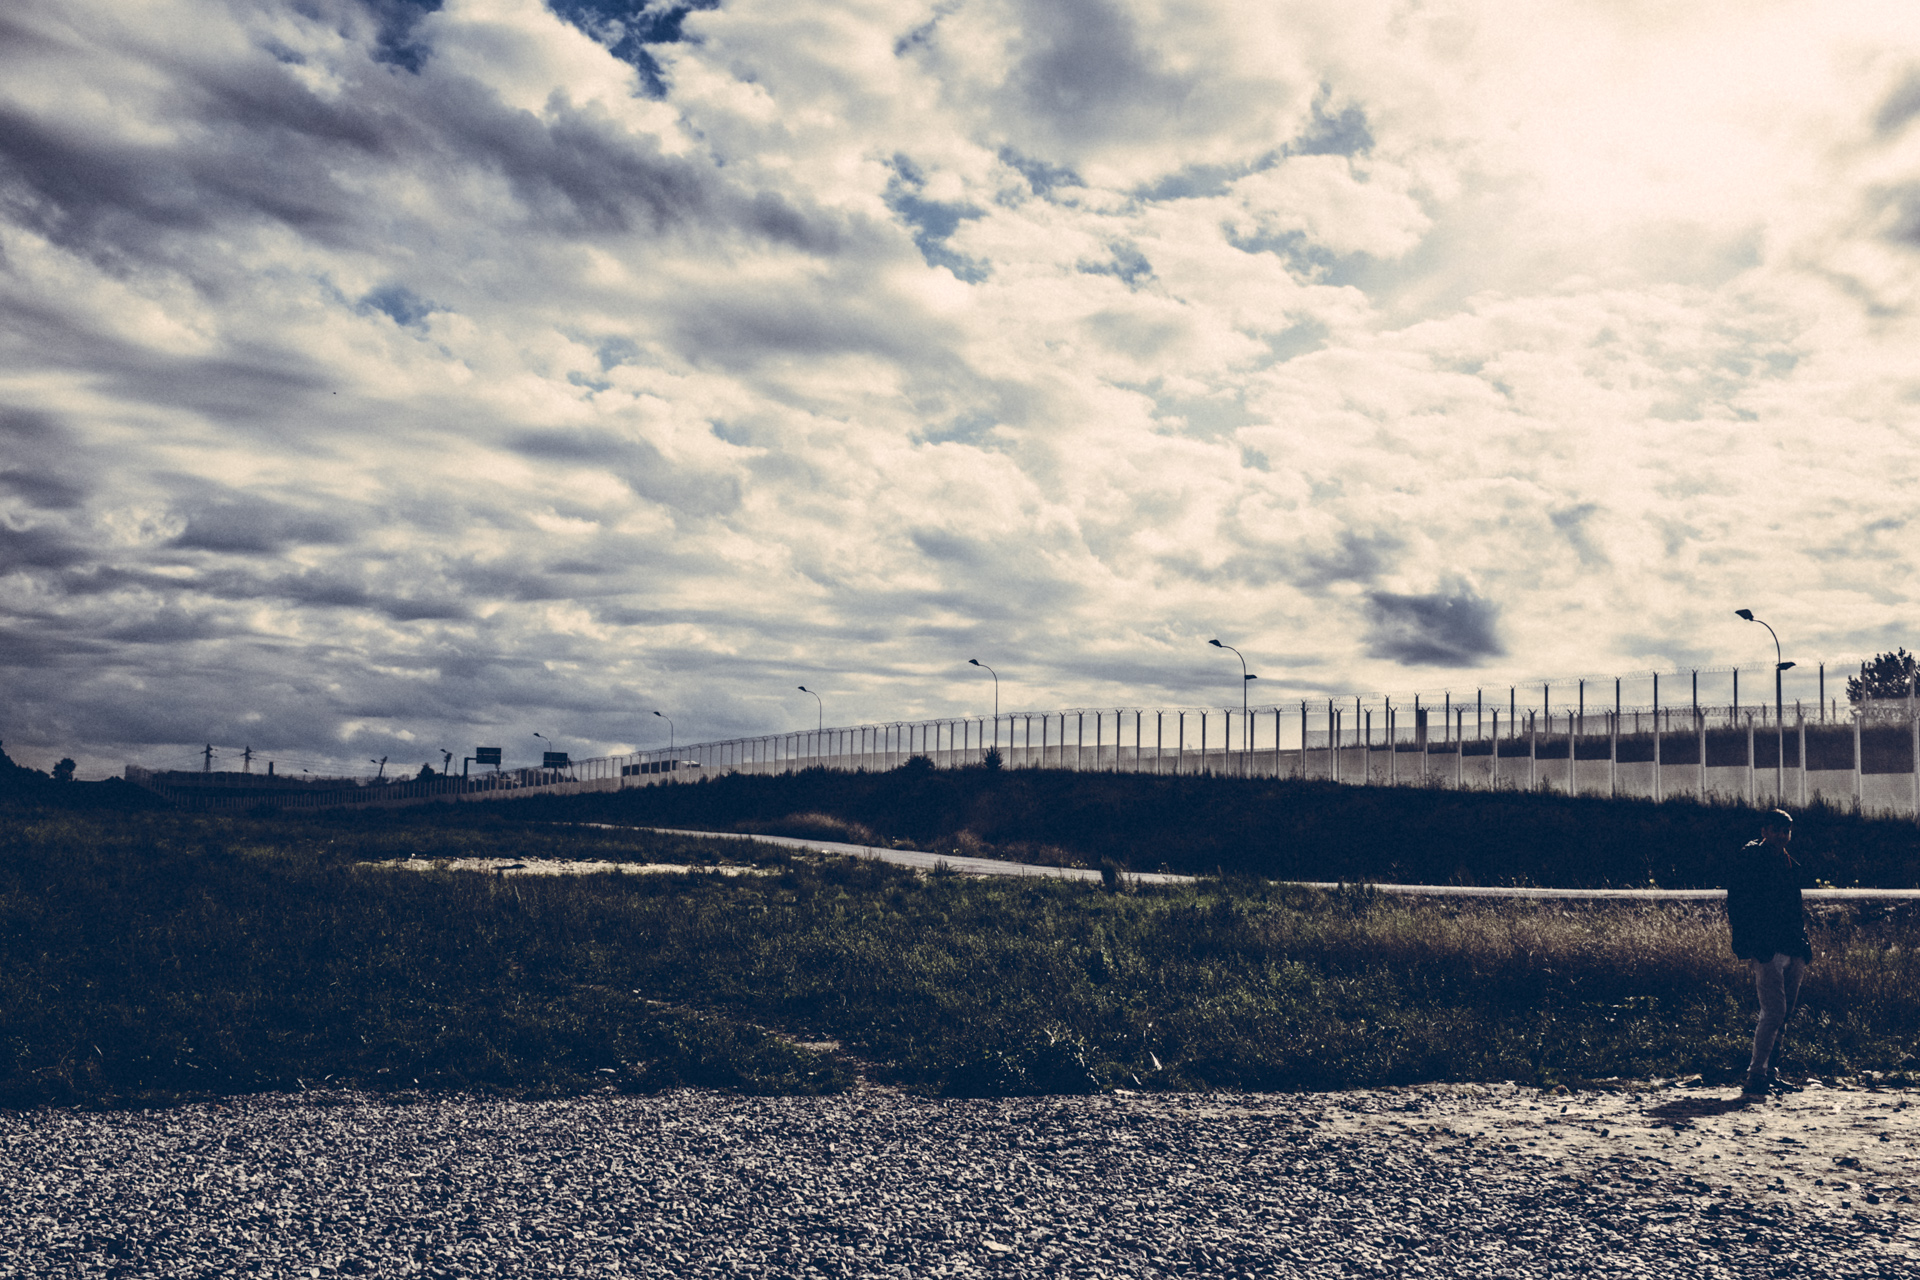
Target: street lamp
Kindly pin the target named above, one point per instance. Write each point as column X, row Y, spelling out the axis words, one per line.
column 821, row 725
column 996, row 692
column 669, row 720
column 1244, row 678
column 1779, row 706
column 996, row 703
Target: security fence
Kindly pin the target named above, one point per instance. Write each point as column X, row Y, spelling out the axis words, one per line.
column 1865, row 757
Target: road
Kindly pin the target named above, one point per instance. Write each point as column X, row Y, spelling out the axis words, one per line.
column 920, row 860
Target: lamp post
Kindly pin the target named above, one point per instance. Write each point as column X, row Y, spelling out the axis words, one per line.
column 975, row 662
column 1244, row 678
column 821, row 708
column 1779, row 707
column 669, row 720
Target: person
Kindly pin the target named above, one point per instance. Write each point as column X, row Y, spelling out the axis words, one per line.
column 1768, row 929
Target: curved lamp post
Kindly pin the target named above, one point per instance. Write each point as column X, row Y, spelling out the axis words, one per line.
column 822, row 708
column 1779, row 706
column 669, row 720
column 975, row 662
column 1245, row 676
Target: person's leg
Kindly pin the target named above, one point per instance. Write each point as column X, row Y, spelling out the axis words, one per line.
column 1769, row 983
column 1790, row 977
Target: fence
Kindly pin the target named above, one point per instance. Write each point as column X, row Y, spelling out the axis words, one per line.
column 1868, row 760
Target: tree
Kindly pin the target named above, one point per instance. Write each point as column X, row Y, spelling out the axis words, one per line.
column 1882, row 679
column 426, row 771
column 63, row 772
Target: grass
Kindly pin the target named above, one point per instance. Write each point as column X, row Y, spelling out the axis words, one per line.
column 1281, row 829
column 150, row 957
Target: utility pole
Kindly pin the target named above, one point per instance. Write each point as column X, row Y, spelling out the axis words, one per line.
column 206, row 762
column 246, row 760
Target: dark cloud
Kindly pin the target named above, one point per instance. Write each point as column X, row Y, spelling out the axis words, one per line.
column 254, row 143
column 170, row 626
column 1085, row 76
column 37, row 459
column 241, row 524
column 394, row 42
column 1442, row 629
column 1900, row 214
column 42, row 489
column 39, row 547
column 1900, row 106
column 1355, row 557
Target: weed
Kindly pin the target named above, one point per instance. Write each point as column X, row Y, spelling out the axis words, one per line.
column 151, row 957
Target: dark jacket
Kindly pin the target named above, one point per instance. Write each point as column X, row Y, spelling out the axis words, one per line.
column 1763, row 905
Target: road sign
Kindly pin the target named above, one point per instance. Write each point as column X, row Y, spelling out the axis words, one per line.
column 486, row 755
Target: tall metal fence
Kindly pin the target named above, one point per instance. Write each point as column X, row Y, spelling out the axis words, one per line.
column 1865, row 757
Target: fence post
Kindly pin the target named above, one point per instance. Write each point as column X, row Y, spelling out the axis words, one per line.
column 1333, row 741
column 1333, row 738
column 1460, row 753
column 1700, row 722
column 1573, row 756
column 1859, row 792
column 1657, row 791
column 1750, row 781
column 1613, row 753
column 1393, row 750
column 1913, row 729
column 1802, row 724
column 1366, row 755
column 1533, row 752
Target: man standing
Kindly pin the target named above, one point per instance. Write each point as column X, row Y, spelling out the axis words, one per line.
column 1769, row 932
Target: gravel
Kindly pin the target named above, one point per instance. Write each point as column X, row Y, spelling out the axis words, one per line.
column 1438, row 1182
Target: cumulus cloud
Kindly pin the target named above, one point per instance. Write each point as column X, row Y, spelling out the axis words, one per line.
column 383, row 375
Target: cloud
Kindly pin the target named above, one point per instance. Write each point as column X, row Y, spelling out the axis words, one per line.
column 1438, row 629
column 385, row 374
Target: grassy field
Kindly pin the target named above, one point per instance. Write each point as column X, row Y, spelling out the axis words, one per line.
column 148, row 957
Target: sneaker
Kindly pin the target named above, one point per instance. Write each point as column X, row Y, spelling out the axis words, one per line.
column 1777, row 1083
column 1755, row 1088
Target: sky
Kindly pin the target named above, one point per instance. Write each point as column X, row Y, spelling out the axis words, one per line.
column 379, row 377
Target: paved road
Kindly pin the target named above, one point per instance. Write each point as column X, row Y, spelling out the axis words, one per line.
column 923, row 861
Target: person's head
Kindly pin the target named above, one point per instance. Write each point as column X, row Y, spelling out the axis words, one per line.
column 1776, row 826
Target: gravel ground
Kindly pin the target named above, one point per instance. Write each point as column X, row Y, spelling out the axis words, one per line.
column 1435, row 1181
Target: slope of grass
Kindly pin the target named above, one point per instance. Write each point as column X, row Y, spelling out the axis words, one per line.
column 150, row 957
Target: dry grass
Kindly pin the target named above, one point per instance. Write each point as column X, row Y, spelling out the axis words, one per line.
column 145, row 957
